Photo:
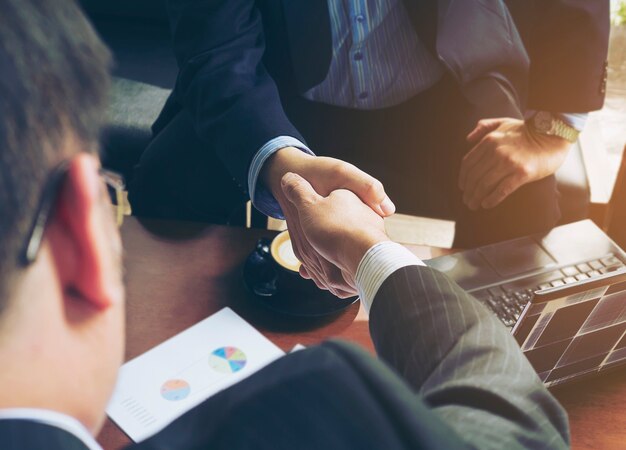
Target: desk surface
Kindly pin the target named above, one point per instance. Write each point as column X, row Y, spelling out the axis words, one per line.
column 179, row 273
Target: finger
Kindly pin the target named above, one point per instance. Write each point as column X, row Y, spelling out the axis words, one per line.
column 485, row 186
column 312, row 266
column 502, row 191
column 336, row 281
column 349, row 291
column 476, row 175
column 301, row 248
column 349, row 279
column 484, row 127
column 298, row 190
column 304, row 272
column 319, row 285
column 367, row 188
column 328, row 278
column 473, row 157
column 343, row 294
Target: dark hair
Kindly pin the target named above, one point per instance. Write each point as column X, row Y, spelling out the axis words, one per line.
column 54, row 79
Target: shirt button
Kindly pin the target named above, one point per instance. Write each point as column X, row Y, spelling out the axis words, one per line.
column 360, row 18
column 363, row 95
column 358, row 56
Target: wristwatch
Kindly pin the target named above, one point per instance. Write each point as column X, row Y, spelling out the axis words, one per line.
column 547, row 123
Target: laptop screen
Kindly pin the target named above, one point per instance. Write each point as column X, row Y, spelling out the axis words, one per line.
column 575, row 330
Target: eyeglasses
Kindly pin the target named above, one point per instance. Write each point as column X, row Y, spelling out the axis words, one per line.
column 114, row 183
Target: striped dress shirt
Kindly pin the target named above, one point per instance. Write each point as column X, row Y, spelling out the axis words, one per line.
column 378, row 60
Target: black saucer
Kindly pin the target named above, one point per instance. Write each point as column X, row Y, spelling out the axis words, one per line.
column 286, row 292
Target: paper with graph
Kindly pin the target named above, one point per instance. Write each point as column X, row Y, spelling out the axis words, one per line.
column 162, row 384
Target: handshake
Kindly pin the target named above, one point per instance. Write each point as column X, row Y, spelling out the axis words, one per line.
column 334, row 213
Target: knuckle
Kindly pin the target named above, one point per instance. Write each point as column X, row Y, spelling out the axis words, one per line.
column 521, row 172
column 504, row 191
column 526, row 170
column 340, row 169
column 374, row 188
column 292, row 192
column 507, row 157
column 491, row 139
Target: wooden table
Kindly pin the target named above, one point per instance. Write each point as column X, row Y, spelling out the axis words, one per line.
column 179, row 273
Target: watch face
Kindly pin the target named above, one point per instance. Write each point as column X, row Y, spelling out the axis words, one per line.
column 543, row 122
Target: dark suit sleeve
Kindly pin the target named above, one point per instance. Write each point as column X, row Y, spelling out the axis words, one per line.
column 482, row 49
column 333, row 396
column 567, row 41
column 463, row 362
column 219, row 46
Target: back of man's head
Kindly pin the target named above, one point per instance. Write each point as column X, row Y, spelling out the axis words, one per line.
column 61, row 307
column 53, row 84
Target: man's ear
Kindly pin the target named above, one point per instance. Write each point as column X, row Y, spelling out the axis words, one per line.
column 77, row 235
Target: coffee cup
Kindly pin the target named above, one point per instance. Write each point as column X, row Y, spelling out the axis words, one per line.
column 273, row 267
column 283, row 254
column 271, row 273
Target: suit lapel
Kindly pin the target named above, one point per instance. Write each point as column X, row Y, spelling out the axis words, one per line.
column 310, row 40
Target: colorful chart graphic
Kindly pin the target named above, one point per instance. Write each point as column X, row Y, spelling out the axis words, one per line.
column 175, row 390
column 227, row 360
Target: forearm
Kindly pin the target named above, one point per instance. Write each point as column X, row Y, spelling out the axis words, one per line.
column 463, row 362
column 490, row 97
column 223, row 84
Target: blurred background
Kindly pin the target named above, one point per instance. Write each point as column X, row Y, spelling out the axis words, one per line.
column 608, row 126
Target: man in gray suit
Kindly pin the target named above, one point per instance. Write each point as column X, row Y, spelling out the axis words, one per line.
column 449, row 375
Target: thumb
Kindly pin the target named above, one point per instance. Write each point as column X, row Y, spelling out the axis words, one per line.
column 298, row 190
column 484, row 127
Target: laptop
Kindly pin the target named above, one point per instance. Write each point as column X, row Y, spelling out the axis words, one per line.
column 562, row 295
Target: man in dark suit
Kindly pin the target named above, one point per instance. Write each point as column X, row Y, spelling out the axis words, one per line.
column 427, row 96
column 451, row 376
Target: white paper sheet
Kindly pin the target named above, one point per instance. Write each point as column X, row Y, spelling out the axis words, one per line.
column 162, row 384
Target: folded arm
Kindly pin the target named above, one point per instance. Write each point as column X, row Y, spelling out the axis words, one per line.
column 567, row 45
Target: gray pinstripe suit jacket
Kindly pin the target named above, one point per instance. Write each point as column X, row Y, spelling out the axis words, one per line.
column 454, row 378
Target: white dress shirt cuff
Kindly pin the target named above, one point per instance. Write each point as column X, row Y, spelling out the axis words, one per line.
column 261, row 198
column 378, row 263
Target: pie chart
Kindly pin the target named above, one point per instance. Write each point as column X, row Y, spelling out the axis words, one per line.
column 227, row 360
column 175, row 390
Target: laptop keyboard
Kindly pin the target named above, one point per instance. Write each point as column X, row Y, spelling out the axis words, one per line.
column 508, row 300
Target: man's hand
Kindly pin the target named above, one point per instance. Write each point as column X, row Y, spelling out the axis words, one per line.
column 506, row 156
column 325, row 176
column 339, row 227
